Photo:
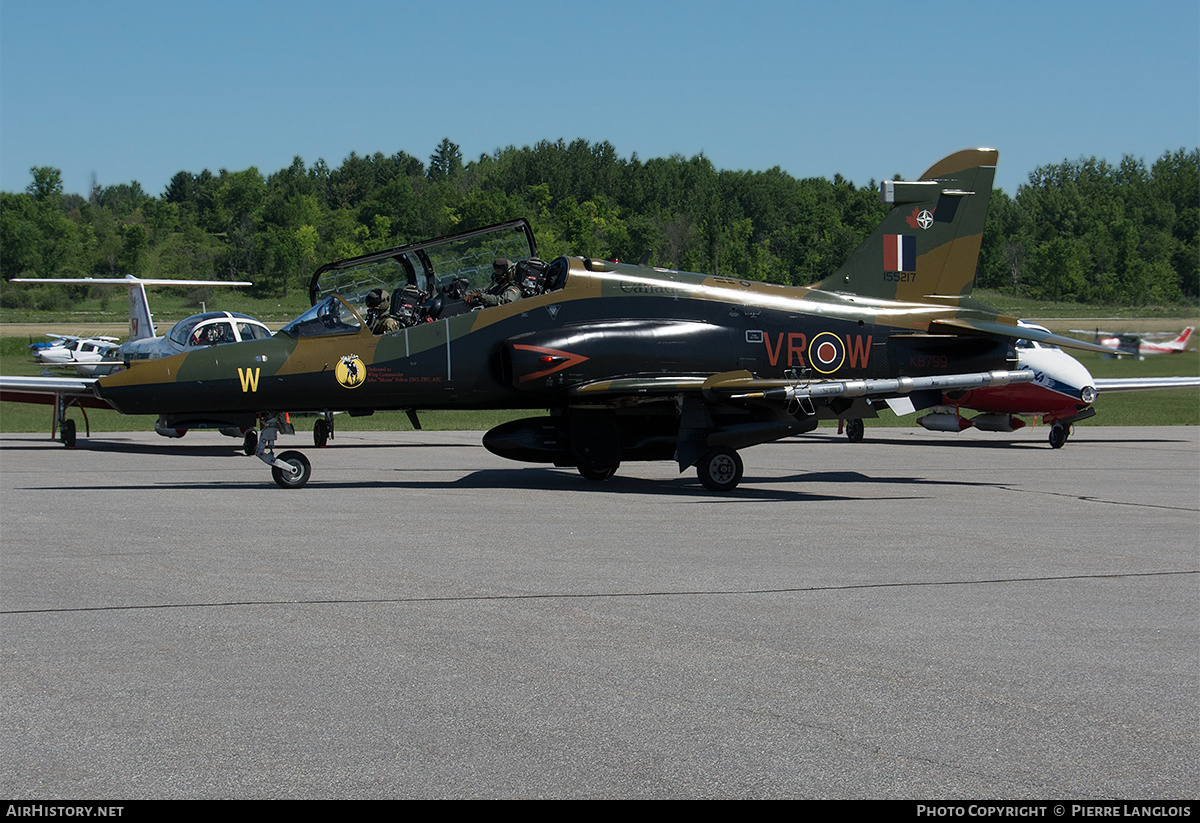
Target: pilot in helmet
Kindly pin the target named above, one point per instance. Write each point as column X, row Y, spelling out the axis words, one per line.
column 501, row 291
column 378, row 319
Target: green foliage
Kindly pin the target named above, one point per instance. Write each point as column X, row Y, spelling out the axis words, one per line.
column 1077, row 231
column 1091, row 232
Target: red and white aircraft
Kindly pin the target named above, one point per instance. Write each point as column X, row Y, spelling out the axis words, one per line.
column 1061, row 393
column 1138, row 345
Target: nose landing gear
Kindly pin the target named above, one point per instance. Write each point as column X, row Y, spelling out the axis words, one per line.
column 290, row 469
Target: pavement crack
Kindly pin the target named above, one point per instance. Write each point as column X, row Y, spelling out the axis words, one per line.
column 1089, row 499
column 599, row 595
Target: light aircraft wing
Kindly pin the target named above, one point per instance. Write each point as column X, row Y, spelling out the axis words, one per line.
column 127, row 280
column 46, row 389
column 1107, row 385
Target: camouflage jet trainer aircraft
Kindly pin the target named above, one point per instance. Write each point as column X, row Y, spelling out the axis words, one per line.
column 632, row 362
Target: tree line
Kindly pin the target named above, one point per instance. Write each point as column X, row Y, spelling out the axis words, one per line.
column 1083, row 231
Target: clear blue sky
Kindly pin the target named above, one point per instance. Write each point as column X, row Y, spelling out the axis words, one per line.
column 123, row 90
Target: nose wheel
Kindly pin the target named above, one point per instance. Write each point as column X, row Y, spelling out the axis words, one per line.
column 1058, row 435
column 290, row 469
column 296, row 472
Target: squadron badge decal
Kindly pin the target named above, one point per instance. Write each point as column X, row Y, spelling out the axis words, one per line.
column 350, row 371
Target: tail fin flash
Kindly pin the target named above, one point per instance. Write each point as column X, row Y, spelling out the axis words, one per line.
column 141, row 324
column 928, row 245
column 1181, row 341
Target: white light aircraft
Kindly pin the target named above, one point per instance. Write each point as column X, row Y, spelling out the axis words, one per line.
column 85, row 354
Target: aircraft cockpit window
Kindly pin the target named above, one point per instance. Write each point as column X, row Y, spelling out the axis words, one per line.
column 253, row 331
column 445, row 267
column 331, row 316
column 212, row 334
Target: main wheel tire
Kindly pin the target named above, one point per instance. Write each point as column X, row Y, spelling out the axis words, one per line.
column 855, row 430
column 597, row 473
column 595, row 441
column 1058, row 436
column 720, row 469
column 292, row 481
column 250, row 443
column 320, row 434
column 67, row 433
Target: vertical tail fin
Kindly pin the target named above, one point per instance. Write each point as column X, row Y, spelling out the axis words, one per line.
column 928, row 245
column 141, row 324
column 1181, row 341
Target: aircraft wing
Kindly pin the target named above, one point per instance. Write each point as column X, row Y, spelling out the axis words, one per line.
column 1019, row 333
column 1104, row 386
column 78, row 390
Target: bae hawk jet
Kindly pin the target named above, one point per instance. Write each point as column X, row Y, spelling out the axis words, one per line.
column 626, row 362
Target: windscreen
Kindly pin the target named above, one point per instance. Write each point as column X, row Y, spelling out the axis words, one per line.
column 428, row 266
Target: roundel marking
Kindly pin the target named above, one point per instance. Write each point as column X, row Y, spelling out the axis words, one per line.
column 350, row 371
column 826, row 352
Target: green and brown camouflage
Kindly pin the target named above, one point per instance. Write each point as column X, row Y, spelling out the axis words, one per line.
column 631, row 362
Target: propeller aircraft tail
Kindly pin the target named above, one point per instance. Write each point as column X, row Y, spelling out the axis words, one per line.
column 141, row 324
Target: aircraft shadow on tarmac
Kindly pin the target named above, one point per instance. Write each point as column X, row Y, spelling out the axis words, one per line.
column 763, row 488
column 754, row 488
column 1077, row 440
column 117, row 446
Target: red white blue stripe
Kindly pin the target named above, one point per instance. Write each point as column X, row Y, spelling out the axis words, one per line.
column 899, row 252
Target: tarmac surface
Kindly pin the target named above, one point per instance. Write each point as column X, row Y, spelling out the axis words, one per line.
column 922, row 615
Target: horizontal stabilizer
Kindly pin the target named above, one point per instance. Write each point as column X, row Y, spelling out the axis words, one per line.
column 128, row 280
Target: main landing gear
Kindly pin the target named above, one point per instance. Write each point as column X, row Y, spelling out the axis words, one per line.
column 66, row 433
column 290, row 469
column 719, row 469
column 323, row 430
column 66, row 426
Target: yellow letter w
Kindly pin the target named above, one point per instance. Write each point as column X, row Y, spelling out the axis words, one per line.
column 249, row 379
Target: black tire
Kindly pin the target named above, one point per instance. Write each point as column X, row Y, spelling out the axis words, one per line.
column 720, row 469
column 596, row 473
column 292, row 481
column 595, row 443
column 320, row 434
column 67, row 434
column 1058, row 435
column 855, row 431
column 250, row 442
